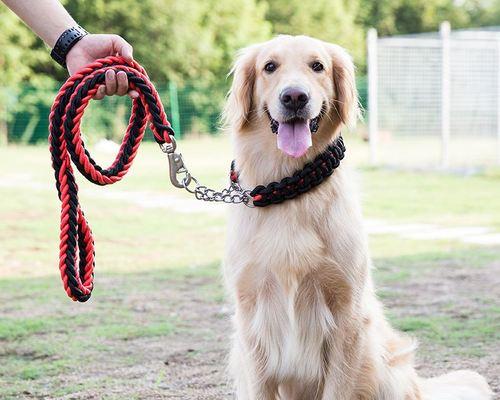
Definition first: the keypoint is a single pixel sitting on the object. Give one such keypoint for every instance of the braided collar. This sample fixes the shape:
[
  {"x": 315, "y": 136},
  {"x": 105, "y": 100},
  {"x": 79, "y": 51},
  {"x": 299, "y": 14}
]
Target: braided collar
[{"x": 303, "y": 180}]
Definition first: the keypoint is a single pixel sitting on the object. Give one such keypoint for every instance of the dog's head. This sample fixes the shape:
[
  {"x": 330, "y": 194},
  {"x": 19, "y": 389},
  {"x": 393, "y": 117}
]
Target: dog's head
[{"x": 301, "y": 87}]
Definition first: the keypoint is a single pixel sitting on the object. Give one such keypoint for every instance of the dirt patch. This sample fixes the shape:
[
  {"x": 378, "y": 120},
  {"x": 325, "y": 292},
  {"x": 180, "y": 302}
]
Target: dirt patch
[
  {"x": 461, "y": 293},
  {"x": 191, "y": 362}
]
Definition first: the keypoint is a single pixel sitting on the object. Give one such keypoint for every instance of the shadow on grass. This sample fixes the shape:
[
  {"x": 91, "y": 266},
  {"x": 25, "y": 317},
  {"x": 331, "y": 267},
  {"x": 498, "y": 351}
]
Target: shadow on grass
[{"x": 44, "y": 335}]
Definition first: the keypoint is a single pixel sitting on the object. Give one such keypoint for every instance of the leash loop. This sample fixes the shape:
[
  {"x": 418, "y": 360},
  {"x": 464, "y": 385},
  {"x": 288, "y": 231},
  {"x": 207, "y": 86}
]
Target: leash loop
[{"x": 76, "y": 250}]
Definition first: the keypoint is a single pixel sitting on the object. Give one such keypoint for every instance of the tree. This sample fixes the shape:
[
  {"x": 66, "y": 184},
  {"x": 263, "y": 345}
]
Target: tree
[
  {"x": 177, "y": 40},
  {"x": 483, "y": 12},
  {"x": 190, "y": 42},
  {"x": 19, "y": 55},
  {"x": 392, "y": 17},
  {"x": 329, "y": 20}
]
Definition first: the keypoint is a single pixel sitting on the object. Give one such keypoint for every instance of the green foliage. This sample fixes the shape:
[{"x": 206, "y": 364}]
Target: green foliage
[
  {"x": 483, "y": 12},
  {"x": 192, "y": 43},
  {"x": 392, "y": 17},
  {"x": 178, "y": 40},
  {"x": 14, "y": 39},
  {"x": 330, "y": 20}
]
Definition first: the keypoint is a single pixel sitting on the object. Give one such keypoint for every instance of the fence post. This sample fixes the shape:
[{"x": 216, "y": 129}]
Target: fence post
[
  {"x": 444, "y": 32},
  {"x": 498, "y": 102},
  {"x": 174, "y": 107},
  {"x": 372, "y": 94},
  {"x": 4, "y": 133},
  {"x": 4, "y": 130}
]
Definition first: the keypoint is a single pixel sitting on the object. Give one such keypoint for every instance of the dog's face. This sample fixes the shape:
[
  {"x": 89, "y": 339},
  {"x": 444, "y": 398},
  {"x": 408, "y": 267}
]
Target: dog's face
[{"x": 301, "y": 85}]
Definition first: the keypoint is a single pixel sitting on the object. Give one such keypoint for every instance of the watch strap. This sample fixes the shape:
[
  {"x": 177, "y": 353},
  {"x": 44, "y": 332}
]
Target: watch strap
[{"x": 65, "y": 43}]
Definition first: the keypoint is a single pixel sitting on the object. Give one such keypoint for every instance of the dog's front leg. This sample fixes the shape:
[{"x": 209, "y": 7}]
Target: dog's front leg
[
  {"x": 343, "y": 364},
  {"x": 249, "y": 383}
]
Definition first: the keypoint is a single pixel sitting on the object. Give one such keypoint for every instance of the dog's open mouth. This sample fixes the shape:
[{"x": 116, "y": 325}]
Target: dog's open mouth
[{"x": 294, "y": 135}]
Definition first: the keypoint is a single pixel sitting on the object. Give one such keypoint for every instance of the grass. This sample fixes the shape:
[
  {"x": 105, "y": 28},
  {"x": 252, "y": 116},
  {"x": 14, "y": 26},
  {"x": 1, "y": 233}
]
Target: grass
[
  {"x": 144, "y": 254},
  {"x": 455, "y": 335},
  {"x": 434, "y": 197}
]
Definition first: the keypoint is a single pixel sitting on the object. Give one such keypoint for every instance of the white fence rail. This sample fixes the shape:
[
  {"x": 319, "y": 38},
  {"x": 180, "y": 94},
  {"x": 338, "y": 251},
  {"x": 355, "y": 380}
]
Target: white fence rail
[{"x": 436, "y": 96}]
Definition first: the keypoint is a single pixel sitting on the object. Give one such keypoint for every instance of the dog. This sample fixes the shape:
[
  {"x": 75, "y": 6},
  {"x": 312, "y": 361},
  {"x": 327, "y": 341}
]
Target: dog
[{"x": 307, "y": 323}]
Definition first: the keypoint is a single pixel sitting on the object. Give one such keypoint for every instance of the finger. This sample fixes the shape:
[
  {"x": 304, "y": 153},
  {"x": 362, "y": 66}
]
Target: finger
[
  {"x": 110, "y": 82},
  {"x": 101, "y": 92},
  {"x": 123, "y": 48},
  {"x": 122, "y": 83},
  {"x": 133, "y": 94}
]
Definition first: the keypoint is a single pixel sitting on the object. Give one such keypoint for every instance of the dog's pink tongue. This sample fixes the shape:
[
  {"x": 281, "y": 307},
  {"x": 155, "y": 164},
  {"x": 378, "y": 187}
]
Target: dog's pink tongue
[{"x": 294, "y": 138}]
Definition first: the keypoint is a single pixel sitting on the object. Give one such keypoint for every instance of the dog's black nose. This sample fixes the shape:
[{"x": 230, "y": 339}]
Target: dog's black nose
[{"x": 294, "y": 98}]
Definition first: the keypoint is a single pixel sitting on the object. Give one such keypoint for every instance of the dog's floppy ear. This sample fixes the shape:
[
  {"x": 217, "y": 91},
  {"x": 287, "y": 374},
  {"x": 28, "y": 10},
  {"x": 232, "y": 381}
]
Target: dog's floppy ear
[
  {"x": 239, "y": 105},
  {"x": 345, "y": 104}
]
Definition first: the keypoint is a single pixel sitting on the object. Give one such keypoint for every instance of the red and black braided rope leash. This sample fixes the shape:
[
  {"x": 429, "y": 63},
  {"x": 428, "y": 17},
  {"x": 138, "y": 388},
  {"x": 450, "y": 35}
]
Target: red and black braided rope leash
[{"x": 76, "y": 250}]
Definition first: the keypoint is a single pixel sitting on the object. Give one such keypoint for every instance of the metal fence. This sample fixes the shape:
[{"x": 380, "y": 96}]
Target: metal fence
[{"x": 434, "y": 99}]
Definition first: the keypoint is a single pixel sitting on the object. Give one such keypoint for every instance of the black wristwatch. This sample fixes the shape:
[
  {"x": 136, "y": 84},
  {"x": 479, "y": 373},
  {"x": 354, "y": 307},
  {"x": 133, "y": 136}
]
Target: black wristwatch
[{"x": 65, "y": 43}]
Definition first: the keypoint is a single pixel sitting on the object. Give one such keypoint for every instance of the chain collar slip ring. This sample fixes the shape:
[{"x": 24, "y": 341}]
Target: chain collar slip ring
[{"x": 76, "y": 249}]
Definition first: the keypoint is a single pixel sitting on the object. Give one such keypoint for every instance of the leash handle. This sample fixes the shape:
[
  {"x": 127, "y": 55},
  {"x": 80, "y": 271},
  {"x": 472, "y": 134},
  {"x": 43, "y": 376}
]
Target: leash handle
[{"x": 76, "y": 249}]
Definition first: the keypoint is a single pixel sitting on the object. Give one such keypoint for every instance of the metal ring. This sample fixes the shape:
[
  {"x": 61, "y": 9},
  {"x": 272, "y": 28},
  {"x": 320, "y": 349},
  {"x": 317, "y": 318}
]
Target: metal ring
[
  {"x": 186, "y": 181},
  {"x": 168, "y": 147}
]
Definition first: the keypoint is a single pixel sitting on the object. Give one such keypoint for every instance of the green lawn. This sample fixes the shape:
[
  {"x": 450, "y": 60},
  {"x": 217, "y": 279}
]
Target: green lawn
[{"x": 152, "y": 262}]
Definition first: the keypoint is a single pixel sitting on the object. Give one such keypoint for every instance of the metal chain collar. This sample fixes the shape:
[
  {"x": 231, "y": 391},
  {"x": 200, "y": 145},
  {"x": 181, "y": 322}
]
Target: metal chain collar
[{"x": 182, "y": 178}]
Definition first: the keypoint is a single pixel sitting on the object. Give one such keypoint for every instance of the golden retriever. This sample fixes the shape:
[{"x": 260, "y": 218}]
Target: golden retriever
[{"x": 307, "y": 322}]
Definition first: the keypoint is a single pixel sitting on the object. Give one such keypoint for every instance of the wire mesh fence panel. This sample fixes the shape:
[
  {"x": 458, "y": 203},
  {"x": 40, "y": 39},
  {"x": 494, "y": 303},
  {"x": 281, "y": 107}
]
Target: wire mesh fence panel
[
  {"x": 409, "y": 92},
  {"x": 438, "y": 99},
  {"x": 409, "y": 101},
  {"x": 190, "y": 109},
  {"x": 473, "y": 91},
  {"x": 474, "y": 101}
]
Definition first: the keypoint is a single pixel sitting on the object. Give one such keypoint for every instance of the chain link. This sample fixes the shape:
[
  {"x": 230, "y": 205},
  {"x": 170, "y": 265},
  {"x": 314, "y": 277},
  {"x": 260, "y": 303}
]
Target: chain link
[
  {"x": 182, "y": 178},
  {"x": 234, "y": 194}
]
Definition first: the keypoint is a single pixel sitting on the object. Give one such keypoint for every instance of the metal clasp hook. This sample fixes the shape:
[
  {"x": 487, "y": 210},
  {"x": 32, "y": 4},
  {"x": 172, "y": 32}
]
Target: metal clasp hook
[{"x": 176, "y": 165}]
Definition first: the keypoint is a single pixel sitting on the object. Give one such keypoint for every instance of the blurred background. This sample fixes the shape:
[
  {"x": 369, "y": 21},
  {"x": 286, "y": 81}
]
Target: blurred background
[{"x": 427, "y": 154}]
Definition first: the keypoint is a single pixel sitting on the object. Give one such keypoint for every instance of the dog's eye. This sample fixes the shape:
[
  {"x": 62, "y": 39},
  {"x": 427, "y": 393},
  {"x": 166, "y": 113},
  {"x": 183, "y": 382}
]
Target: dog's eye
[
  {"x": 270, "y": 67},
  {"x": 317, "y": 66}
]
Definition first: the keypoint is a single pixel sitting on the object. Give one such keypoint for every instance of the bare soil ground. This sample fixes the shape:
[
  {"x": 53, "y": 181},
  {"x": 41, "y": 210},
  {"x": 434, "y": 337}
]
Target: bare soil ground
[{"x": 190, "y": 362}]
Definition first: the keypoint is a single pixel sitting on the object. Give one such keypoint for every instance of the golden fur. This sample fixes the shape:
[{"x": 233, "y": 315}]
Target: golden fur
[{"x": 307, "y": 322}]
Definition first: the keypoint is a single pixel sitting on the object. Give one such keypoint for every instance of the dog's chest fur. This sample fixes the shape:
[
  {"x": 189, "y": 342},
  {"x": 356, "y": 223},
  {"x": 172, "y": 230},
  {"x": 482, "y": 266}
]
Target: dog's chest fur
[{"x": 290, "y": 267}]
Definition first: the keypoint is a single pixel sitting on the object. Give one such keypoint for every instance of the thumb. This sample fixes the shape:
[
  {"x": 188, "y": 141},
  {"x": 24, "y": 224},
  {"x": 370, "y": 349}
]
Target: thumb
[{"x": 123, "y": 48}]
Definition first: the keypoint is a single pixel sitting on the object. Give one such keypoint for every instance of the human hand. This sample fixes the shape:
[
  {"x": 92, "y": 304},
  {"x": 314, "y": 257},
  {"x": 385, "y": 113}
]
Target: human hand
[{"x": 93, "y": 47}]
